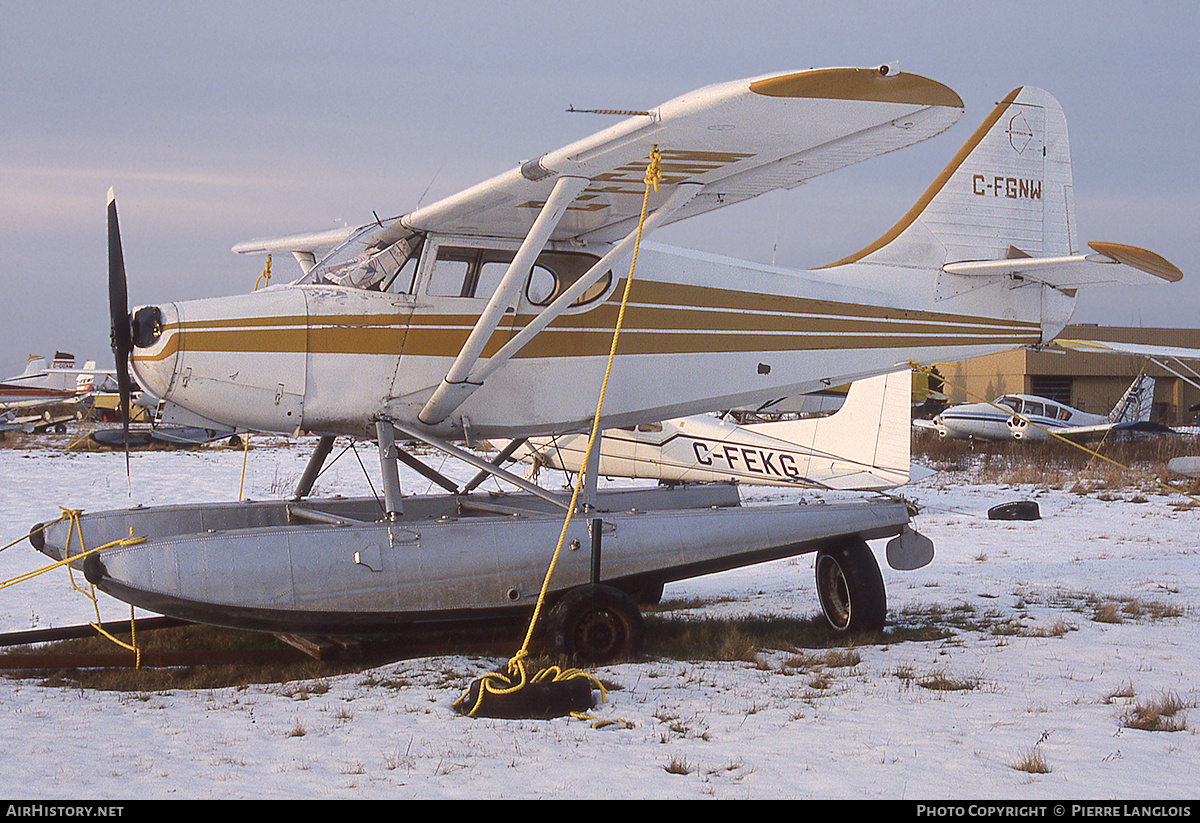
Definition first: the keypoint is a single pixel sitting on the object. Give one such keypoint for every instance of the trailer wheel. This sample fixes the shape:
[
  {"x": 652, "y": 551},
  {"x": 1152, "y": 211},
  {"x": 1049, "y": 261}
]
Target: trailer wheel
[
  {"x": 595, "y": 625},
  {"x": 850, "y": 587}
]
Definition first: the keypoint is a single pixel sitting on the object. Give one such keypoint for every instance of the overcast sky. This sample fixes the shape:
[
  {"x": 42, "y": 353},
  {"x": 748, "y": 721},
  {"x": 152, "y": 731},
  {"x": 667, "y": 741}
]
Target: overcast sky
[{"x": 218, "y": 122}]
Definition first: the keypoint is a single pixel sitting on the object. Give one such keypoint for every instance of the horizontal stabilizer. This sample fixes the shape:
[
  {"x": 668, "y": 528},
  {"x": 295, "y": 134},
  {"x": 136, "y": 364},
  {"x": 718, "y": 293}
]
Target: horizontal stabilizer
[{"x": 1112, "y": 264}]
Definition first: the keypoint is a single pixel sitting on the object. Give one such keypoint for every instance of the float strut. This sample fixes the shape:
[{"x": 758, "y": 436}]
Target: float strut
[
  {"x": 597, "y": 527},
  {"x": 391, "y": 472},
  {"x": 324, "y": 447},
  {"x": 590, "y": 484}
]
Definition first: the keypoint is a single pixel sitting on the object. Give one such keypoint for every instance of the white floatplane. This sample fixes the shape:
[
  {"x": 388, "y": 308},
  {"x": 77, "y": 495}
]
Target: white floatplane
[{"x": 489, "y": 314}]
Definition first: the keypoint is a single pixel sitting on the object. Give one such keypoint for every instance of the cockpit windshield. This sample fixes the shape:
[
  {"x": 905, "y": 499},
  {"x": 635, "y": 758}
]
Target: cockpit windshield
[{"x": 360, "y": 264}]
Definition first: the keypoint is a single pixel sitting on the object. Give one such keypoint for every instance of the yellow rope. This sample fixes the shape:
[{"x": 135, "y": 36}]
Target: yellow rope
[
  {"x": 74, "y": 527},
  {"x": 265, "y": 277},
  {"x": 1069, "y": 442},
  {"x": 496, "y": 683},
  {"x": 245, "y": 454}
]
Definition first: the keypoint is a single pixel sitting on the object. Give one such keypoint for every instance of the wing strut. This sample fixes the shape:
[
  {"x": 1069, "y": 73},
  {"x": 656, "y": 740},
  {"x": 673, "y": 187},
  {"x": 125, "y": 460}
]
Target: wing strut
[
  {"x": 1182, "y": 377},
  {"x": 454, "y": 389},
  {"x": 449, "y": 396}
]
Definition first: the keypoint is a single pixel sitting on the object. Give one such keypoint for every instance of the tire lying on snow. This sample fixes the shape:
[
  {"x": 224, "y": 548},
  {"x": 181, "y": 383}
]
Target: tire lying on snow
[
  {"x": 850, "y": 587},
  {"x": 1020, "y": 510}
]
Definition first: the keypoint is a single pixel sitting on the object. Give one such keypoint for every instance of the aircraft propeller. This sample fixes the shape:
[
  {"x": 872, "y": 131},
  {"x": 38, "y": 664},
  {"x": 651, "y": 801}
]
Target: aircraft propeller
[{"x": 118, "y": 309}]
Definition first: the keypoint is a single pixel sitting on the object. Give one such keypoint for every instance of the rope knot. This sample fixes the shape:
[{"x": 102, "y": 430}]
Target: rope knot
[{"x": 654, "y": 169}]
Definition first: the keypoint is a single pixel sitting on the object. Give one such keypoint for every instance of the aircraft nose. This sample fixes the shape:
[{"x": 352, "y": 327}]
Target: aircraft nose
[{"x": 1016, "y": 426}]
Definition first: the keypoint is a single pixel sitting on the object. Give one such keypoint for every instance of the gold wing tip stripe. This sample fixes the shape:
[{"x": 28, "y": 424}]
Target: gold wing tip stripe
[
  {"x": 1140, "y": 259},
  {"x": 859, "y": 84}
]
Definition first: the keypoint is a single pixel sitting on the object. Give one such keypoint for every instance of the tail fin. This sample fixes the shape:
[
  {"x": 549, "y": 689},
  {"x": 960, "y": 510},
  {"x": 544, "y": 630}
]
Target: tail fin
[
  {"x": 1137, "y": 403},
  {"x": 1007, "y": 193},
  {"x": 33, "y": 364},
  {"x": 866, "y": 443}
]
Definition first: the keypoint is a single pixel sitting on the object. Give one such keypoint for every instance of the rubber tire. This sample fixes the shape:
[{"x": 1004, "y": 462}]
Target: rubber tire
[
  {"x": 595, "y": 625},
  {"x": 850, "y": 587},
  {"x": 1020, "y": 510}
]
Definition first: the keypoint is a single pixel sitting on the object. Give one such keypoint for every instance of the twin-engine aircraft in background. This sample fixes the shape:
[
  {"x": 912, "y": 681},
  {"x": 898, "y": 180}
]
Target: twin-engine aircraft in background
[
  {"x": 490, "y": 314},
  {"x": 1030, "y": 417}
]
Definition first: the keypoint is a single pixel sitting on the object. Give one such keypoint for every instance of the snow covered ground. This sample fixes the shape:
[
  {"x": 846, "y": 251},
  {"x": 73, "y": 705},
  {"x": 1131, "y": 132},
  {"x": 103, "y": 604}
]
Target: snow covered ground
[{"x": 1028, "y": 675}]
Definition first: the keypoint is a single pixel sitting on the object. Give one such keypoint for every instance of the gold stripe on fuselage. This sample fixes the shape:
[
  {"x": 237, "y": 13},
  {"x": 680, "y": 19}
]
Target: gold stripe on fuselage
[{"x": 661, "y": 319}]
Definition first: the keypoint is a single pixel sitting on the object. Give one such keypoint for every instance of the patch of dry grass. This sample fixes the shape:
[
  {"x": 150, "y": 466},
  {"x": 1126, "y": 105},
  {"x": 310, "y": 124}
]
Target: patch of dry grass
[
  {"x": 261, "y": 658},
  {"x": 1032, "y": 762},
  {"x": 1165, "y": 713},
  {"x": 1123, "y": 609},
  {"x": 945, "y": 682},
  {"x": 1059, "y": 465}
]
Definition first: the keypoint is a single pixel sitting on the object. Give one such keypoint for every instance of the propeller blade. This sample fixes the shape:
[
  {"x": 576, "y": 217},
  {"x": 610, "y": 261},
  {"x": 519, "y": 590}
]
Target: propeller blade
[{"x": 118, "y": 309}]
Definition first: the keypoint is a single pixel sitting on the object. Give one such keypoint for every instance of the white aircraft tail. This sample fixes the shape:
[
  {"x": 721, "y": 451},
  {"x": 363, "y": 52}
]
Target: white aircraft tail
[
  {"x": 870, "y": 435},
  {"x": 1004, "y": 207},
  {"x": 34, "y": 364},
  {"x": 1137, "y": 404},
  {"x": 1006, "y": 193},
  {"x": 864, "y": 445}
]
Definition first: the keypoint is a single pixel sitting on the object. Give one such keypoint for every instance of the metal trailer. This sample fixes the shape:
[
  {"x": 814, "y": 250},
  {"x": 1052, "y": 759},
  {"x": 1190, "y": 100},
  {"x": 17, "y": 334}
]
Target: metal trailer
[{"x": 356, "y": 566}]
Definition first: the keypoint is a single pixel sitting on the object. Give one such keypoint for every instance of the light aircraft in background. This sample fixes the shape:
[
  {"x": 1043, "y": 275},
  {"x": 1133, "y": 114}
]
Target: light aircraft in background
[
  {"x": 48, "y": 395},
  {"x": 55, "y": 381},
  {"x": 864, "y": 445},
  {"x": 1178, "y": 360},
  {"x": 490, "y": 314},
  {"x": 1030, "y": 417}
]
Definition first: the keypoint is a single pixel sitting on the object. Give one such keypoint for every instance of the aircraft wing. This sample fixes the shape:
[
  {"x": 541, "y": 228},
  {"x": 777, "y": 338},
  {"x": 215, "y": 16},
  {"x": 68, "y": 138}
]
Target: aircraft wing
[
  {"x": 1140, "y": 349},
  {"x": 736, "y": 140},
  {"x": 1155, "y": 354},
  {"x": 1086, "y": 432}
]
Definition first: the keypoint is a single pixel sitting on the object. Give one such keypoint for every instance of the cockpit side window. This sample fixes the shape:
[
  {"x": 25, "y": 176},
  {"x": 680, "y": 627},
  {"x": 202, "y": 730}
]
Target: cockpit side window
[
  {"x": 460, "y": 271},
  {"x": 555, "y": 272},
  {"x": 450, "y": 274}
]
